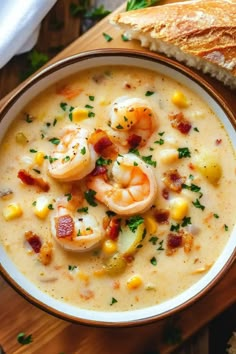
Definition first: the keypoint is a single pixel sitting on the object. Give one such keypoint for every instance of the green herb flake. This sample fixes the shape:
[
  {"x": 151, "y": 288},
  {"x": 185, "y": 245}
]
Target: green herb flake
[
  {"x": 124, "y": 38},
  {"x": 135, "y": 163},
  {"x": 134, "y": 151},
  {"x": 149, "y": 161},
  {"x": 153, "y": 261},
  {"x": 52, "y": 159},
  {"x": 226, "y": 227},
  {"x": 66, "y": 159},
  {"x": 198, "y": 205},
  {"x": 161, "y": 133},
  {"x": 113, "y": 301},
  {"x": 71, "y": 267},
  {"x": 192, "y": 187},
  {"x": 89, "y": 196},
  {"x": 50, "y": 207},
  {"x": 88, "y": 106},
  {"x": 107, "y": 37},
  {"x": 91, "y": 114},
  {"x": 119, "y": 126},
  {"x": 83, "y": 210},
  {"x": 34, "y": 203},
  {"x": 134, "y": 221},
  {"x": 23, "y": 339},
  {"x": 196, "y": 129},
  {"x": 153, "y": 240},
  {"x": 55, "y": 141},
  {"x": 216, "y": 216},
  {"x": 33, "y": 151},
  {"x": 160, "y": 248},
  {"x": 139, "y": 4},
  {"x": 63, "y": 106},
  {"x": 174, "y": 227},
  {"x": 149, "y": 93},
  {"x": 83, "y": 151},
  {"x": 110, "y": 213},
  {"x": 36, "y": 170},
  {"x": 69, "y": 196},
  {"x": 91, "y": 98},
  {"x": 103, "y": 162},
  {"x": 54, "y": 122},
  {"x": 186, "y": 221},
  {"x": 28, "y": 118},
  {"x": 184, "y": 152},
  {"x": 160, "y": 142}
]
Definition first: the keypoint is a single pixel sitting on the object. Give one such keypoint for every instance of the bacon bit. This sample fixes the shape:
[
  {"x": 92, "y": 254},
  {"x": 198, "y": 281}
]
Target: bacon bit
[
  {"x": 28, "y": 179},
  {"x": 134, "y": 140},
  {"x": 64, "y": 226},
  {"x": 113, "y": 228},
  {"x": 218, "y": 141},
  {"x": 165, "y": 193},
  {"x": 34, "y": 241},
  {"x": 129, "y": 258},
  {"x": 68, "y": 92},
  {"x": 45, "y": 254},
  {"x": 87, "y": 294},
  {"x": 179, "y": 122},
  {"x": 128, "y": 86},
  {"x": 102, "y": 144},
  {"x": 174, "y": 240},
  {"x": 116, "y": 284},
  {"x": 99, "y": 170},
  {"x": 173, "y": 180},
  {"x": 162, "y": 216}
]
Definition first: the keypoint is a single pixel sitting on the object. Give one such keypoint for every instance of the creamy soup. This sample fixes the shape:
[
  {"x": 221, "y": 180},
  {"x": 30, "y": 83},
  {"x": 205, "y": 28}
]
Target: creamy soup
[{"x": 117, "y": 189}]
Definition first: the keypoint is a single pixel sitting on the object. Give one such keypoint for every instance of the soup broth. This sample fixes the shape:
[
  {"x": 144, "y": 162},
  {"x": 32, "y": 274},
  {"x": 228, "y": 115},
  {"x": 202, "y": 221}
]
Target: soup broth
[{"x": 117, "y": 189}]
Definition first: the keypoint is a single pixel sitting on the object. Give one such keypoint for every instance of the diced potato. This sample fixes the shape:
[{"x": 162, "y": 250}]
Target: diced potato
[
  {"x": 21, "y": 138},
  {"x": 109, "y": 247},
  {"x": 179, "y": 99},
  {"x": 45, "y": 255},
  {"x": 128, "y": 240},
  {"x": 208, "y": 165},
  {"x": 79, "y": 114},
  {"x": 116, "y": 264},
  {"x": 41, "y": 207},
  {"x": 39, "y": 158},
  {"x": 168, "y": 156},
  {"x": 178, "y": 208},
  {"x": 134, "y": 282},
  {"x": 150, "y": 224},
  {"x": 12, "y": 211}
]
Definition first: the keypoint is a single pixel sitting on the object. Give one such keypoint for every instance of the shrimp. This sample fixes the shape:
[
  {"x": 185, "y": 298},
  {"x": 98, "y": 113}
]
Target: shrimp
[
  {"x": 73, "y": 158},
  {"x": 75, "y": 231},
  {"x": 132, "y": 190},
  {"x": 132, "y": 121}
]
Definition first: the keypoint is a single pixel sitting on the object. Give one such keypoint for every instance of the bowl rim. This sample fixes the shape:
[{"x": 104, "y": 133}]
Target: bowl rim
[{"x": 154, "y": 57}]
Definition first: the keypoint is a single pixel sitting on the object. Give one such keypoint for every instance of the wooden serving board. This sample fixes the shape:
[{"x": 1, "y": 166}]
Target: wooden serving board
[{"x": 52, "y": 335}]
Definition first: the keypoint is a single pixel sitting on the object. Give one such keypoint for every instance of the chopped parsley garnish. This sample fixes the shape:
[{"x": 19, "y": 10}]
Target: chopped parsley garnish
[
  {"x": 160, "y": 141},
  {"x": 161, "y": 133},
  {"x": 149, "y": 161},
  {"x": 55, "y": 141},
  {"x": 191, "y": 177},
  {"x": 50, "y": 207},
  {"x": 134, "y": 151},
  {"x": 66, "y": 159},
  {"x": 124, "y": 38},
  {"x": 91, "y": 114},
  {"x": 63, "y": 106},
  {"x": 184, "y": 152},
  {"x": 135, "y": 163},
  {"x": 160, "y": 248},
  {"x": 33, "y": 151},
  {"x": 192, "y": 187},
  {"x": 28, "y": 118},
  {"x": 88, "y": 106},
  {"x": 83, "y": 210},
  {"x": 69, "y": 196},
  {"x": 83, "y": 150},
  {"x": 134, "y": 222},
  {"x": 149, "y": 93},
  {"x": 113, "y": 301},
  {"x": 139, "y": 4},
  {"x": 198, "y": 205},
  {"x": 153, "y": 240},
  {"x": 52, "y": 159},
  {"x": 89, "y": 196},
  {"x": 119, "y": 126},
  {"x": 34, "y": 203},
  {"x": 91, "y": 98},
  {"x": 226, "y": 227},
  {"x": 103, "y": 162},
  {"x": 54, "y": 122},
  {"x": 110, "y": 213},
  {"x": 153, "y": 261},
  {"x": 23, "y": 339},
  {"x": 174, "y": 227},
  {"x": 216, "y": 216},
  {"x": 107, "y": 37},
  {"x": 36, "y": 170},
  {"x": 196, "y": 129},
  {"x": 186, "y": 221},
  {"x": 72, "y": 267}
]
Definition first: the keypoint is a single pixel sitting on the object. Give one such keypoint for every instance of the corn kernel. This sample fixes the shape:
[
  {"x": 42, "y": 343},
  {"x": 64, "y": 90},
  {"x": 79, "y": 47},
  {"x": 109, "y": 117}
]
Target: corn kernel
[
  {"x": 12, "y": 211},
  {"x": 179, "y": 99},
  {"x": 109, "y": 247},
  {"x": 79, "y": 114},
  {"x": 39, "y": 158},
  {"x": 178, "y": 208},
  {"x": 41, "y": 207},
  {"x": 134, "y": 282},
  {"x": 150, "y": 224},
  {"x": 168, "y": 156}
]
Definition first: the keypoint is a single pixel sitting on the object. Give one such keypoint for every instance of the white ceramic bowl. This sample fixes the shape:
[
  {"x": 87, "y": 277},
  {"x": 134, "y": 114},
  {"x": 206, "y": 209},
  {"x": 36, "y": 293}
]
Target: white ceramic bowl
[{"x": 167, "y": 67}]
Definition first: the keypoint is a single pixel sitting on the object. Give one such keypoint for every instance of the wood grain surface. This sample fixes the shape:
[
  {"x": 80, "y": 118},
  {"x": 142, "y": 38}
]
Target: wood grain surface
[{"x": 52, "y": 335}]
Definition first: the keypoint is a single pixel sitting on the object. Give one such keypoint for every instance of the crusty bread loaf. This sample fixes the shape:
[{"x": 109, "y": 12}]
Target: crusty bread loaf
[{"x": 201, "y": 33}]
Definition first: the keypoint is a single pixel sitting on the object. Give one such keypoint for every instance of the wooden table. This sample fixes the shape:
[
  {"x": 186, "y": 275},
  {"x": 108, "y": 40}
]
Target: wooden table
[{"x": 52, "y": 335}]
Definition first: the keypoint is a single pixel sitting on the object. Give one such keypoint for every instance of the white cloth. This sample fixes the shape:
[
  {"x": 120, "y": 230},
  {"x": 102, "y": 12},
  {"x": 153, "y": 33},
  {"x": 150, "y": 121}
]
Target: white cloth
[{"x": 19, "y": 25}]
